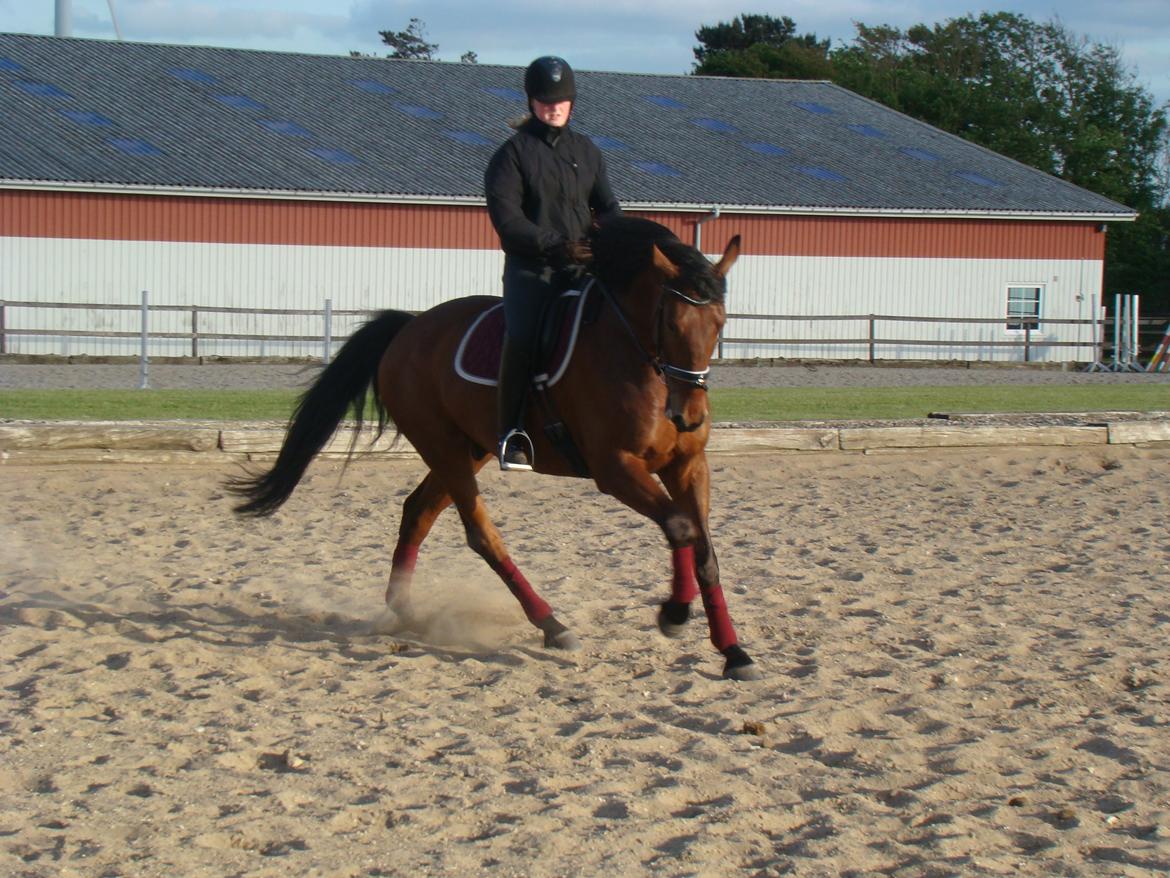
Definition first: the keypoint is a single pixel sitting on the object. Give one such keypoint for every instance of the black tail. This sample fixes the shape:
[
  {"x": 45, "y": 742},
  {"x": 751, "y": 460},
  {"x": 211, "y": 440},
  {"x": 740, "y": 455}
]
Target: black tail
[{"x": 341, "y": 387}]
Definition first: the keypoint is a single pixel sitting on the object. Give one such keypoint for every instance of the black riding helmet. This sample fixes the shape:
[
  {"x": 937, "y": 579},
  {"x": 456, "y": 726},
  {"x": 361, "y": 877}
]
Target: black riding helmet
[{"x": 549, "y": 79}]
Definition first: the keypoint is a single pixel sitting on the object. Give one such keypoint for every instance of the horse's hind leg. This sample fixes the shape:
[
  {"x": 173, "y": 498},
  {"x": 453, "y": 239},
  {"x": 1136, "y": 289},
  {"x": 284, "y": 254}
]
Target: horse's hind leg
[
  {"x": 419, "y": 512},
  {"x": 485, "y": 540}
]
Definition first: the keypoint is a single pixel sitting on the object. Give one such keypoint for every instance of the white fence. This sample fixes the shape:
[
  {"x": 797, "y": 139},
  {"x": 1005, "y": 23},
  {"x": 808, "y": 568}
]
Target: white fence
[{"x": 191, "y": 331}]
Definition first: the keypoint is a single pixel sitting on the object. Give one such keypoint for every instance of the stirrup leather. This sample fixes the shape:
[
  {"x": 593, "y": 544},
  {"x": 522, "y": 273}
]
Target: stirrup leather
[{"x": 515, "y": 451}]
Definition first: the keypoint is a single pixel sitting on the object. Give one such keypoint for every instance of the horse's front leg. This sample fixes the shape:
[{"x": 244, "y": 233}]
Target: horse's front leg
[
  {"x": 682, "y": 515},
  {"x": 689, "y": 483}
]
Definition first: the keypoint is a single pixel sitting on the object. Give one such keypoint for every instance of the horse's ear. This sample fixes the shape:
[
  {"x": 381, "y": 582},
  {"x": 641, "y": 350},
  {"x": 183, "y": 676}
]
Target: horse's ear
[
  {"x": 728, "y": 258},
  {"x": 668, "y": 268}
]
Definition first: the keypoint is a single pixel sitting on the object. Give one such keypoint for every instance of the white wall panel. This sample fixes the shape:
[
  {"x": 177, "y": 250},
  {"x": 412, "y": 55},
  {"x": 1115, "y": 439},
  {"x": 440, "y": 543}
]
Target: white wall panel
[
  {"x": 225, "y": 275},
  {"x": 371, "y": 279},
  {"x": 930, "y": 288}
]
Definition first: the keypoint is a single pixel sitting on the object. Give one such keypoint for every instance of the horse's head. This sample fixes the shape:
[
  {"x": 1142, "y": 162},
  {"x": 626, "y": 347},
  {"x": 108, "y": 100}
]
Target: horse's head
[
  {"x": 674, "y": 298},
  {"x": 690, "y": 315}
]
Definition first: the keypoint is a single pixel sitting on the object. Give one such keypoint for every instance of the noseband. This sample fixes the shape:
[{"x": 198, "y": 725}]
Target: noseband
[{"x": 665, "y": 370}]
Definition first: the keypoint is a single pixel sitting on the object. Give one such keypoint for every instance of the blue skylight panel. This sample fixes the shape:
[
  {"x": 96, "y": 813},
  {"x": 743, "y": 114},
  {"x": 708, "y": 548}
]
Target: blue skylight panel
[
  {"x": 41, "y": 89},
  {"x": 716, "y": 125},
  {"x": 508, "y": 94},
  {"x": 924, "y": 155},
  {"x": 133, "y": 146},
  {"x": 978, "y": 179},
  {"x": 85, "y": 117},
  {"x": 658, "y": 169},
  {"x": 191, "y": 74},
  {"x": 470, "y": 138},
  {"x": 10, "y": 66},
  {"x": 814, "y": 107},
  {"x": 240, "y": 102},
  {"x": 766, "y": 148},
  {"x": 373, "y": 86},
  {"x": 336, "y": 156},
  {"x": 610, "y": 143},
  {"x": 823, "y": 174},
  {"x": 867, "y": 130},
  {"x": 283, "y": 126},
  {"x": 419, "y": 111},
  {"x": 663, "y": 101}
]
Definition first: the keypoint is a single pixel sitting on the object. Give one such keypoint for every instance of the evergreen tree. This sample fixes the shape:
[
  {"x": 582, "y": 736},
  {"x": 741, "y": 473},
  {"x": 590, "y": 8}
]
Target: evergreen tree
[{"x": 410, "y": 44}]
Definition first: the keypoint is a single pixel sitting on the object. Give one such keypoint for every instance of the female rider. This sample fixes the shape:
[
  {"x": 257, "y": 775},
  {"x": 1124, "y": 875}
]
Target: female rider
[{"x": 545, "y": 186}]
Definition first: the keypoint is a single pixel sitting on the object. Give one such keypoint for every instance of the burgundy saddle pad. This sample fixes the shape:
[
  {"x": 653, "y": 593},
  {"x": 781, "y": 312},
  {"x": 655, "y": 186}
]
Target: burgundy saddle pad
[{"x": 478, "y": 357}]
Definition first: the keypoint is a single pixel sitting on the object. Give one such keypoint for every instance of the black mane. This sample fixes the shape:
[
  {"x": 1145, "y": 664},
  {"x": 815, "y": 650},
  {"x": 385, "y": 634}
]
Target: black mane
[{"x": 621, "y": 251}]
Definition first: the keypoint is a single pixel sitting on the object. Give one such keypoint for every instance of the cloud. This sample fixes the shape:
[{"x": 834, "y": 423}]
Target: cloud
[{"x": 218, "y": 22}]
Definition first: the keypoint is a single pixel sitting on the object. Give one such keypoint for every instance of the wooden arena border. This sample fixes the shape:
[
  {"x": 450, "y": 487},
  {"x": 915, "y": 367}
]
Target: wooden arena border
[{"x": 170, "y": 442}]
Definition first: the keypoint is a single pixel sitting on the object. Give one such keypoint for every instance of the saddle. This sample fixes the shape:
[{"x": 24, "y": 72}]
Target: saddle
[{"x": 477, "y": 358}]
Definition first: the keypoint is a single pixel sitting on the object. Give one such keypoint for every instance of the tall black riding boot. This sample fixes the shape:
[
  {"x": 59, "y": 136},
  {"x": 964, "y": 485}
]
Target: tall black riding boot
[{"x": 515, "y": 451}]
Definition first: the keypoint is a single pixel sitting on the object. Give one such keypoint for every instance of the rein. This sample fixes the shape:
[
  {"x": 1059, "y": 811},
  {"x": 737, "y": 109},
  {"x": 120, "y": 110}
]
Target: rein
[{"x": 665, "y": 371}]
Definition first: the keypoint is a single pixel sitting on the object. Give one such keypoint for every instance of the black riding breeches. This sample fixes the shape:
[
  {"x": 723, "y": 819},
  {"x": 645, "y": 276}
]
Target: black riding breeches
[{"x": 527, "y": 292}]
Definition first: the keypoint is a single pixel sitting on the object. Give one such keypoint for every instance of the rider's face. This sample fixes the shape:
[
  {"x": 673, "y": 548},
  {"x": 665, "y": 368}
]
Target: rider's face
[{"x": 553, "y": 115}]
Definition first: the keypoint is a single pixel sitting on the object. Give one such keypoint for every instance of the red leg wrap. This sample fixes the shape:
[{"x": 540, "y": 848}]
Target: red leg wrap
[
  {"x": 683, "y": 588},
  {"x": 718, "y": 619},
  {"x": 405, "y": 557},
  {"x": 534, "y": 606}
]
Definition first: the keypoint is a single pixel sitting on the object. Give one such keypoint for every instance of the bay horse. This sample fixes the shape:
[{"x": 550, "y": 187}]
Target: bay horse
[{"x": 633, "y": 398}]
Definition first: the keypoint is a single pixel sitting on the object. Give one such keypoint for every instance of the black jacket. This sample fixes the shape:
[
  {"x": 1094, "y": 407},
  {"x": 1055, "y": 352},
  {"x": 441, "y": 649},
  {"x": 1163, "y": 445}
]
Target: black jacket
[{"x": 543, "y": 188}]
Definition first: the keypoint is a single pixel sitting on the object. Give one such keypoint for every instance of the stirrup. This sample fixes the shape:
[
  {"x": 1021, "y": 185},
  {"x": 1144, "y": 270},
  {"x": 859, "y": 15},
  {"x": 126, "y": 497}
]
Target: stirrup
[{"x": 515, "y": 451}]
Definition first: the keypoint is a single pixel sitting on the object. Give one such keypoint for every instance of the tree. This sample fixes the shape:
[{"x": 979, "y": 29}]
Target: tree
[
  {"x": 760, "y": 46},
  {"x": 469, "y": 57},
  {"x": 1031, "y": 91},
  {"x": 410, "y": 44}
]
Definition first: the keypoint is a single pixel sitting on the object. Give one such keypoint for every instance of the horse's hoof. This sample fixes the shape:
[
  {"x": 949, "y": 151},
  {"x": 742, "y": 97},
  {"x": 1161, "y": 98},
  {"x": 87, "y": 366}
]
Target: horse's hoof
[
  {"x": 566, "y": 641},
  {"x": 739, "y": 666},
  {"x": 557, "y": 636},
  {"x": 388, "y": 621},
  {"x": 672, "y": 618}
]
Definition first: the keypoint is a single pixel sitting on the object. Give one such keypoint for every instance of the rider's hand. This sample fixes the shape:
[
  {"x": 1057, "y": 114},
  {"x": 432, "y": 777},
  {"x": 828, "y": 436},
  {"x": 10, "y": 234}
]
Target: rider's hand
[{"x": 572, "y": 253}]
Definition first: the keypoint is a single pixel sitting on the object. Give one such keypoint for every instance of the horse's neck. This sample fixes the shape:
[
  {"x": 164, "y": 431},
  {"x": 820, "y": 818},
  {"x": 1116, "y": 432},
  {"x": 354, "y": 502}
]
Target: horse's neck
[{"x": 624, "y": 332}]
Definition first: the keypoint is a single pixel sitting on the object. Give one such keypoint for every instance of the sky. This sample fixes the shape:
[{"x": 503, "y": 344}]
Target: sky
[{"x": 644, "y": 36}]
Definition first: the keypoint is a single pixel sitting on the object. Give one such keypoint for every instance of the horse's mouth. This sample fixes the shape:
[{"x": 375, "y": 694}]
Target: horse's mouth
[{"x": 681, "y": 424}]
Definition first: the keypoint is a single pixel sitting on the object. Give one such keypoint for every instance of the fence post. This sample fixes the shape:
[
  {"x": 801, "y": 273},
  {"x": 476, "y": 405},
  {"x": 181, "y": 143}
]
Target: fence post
[
  {"x": 1027, "y": 340},
  {"x": 1116, "y": 331},
  {"x": 1135, "y": 347},
  {"x": 328, "y": 332},
  {"x": 872, "y": 338},
  {"x": 195, "y": 332},
  {"x": 144, "y": 361},
  {"x": 3, "y": 334}
]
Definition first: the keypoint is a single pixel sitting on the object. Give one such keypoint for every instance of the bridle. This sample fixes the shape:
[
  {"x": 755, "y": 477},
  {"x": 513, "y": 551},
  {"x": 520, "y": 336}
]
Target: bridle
[{"x": 666, "y": 371}]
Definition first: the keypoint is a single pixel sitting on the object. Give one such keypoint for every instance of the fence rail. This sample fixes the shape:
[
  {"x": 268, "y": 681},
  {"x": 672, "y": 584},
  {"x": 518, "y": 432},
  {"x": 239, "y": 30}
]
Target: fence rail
[
  {"x": 869, "y": 338},
  {"x": 327, "y": 315}
]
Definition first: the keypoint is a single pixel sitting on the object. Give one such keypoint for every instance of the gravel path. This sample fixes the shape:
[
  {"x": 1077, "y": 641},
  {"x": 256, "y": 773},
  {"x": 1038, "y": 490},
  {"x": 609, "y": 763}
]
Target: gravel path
[{"x": 223, "y": 376}]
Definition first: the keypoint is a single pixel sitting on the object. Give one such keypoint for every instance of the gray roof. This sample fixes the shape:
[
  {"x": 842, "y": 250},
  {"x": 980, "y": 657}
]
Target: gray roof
[{"x": 132, "y": 114}]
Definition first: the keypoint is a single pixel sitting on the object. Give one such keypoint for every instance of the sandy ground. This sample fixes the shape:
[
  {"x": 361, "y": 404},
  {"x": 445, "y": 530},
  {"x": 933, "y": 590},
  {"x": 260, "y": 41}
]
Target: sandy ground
[{"x": 966, "y": 662}]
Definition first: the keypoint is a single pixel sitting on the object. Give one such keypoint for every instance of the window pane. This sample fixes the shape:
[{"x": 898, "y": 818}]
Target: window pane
[{"x": 1023, "y": 308}]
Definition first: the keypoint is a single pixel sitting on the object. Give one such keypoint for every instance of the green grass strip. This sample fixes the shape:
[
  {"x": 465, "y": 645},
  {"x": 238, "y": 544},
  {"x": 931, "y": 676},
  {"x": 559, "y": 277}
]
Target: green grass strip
[
  {"x": 728, "y": 404},
  {"x": 147, "y": 405},
  {"x": 865, "y": 403}
]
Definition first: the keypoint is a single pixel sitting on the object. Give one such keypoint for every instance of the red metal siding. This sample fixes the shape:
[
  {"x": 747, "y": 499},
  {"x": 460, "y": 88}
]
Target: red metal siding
[
  {"x": 896, "y": 237},
  {"x": 26, "y": 213}
]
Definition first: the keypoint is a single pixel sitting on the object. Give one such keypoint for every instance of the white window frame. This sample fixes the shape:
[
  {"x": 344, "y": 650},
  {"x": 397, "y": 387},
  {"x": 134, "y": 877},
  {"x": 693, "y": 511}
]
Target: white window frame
[{"x": 1015, "y": 318}]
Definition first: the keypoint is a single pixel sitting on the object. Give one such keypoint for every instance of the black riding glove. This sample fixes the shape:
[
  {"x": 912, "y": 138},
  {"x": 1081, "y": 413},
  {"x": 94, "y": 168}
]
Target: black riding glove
[{"x": 571, "y": 253}]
